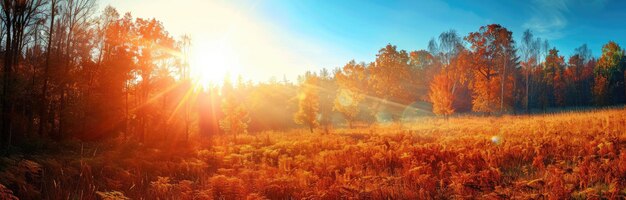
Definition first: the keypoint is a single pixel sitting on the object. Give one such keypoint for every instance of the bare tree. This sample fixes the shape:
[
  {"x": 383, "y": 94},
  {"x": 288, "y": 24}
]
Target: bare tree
[
  {"x": 17, "y": 16},
  {"x": 530, "y": 54},
  {"x": 46, "y": 74},
  {"x": 76, "y": 15}
]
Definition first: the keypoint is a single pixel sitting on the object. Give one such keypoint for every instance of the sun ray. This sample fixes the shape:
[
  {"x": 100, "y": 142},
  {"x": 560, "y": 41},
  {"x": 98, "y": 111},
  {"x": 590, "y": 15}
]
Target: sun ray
[{"x": 186, "y": 99}]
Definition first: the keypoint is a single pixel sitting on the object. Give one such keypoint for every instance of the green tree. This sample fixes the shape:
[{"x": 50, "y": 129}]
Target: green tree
[
  {"x": 553, "y": 75},
  {"x": 611, "y": 67}
]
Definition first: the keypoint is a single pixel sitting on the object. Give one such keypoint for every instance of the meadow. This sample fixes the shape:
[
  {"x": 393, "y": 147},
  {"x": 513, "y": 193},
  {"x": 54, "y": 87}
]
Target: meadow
[{"x": 579, "y": 155}]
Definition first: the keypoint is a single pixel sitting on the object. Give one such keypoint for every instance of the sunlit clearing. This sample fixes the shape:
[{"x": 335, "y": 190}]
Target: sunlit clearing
[{"x": 211, "y": 63}]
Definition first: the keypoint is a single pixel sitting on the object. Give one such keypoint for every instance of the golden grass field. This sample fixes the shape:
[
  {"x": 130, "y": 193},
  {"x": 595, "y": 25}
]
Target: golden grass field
[{"x": 578, "y": 155}]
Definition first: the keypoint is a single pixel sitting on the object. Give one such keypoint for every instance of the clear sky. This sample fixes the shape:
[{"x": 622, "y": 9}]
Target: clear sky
[{"x": 264, "y": 38}]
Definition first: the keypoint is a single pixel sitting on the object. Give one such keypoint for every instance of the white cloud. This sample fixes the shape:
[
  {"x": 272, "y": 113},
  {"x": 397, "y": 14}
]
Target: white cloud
[{"x": 549, "y": 17}]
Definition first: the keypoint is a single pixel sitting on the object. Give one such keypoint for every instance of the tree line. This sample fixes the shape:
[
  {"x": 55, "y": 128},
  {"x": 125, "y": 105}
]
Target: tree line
[
  {"x": 484, "y": 72},
  {"x": 72, "y": 72}
]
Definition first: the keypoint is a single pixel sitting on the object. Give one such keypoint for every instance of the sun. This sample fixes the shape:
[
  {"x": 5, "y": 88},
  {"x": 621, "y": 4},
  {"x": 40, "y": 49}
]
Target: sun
[{"x": 211, "y": 63}]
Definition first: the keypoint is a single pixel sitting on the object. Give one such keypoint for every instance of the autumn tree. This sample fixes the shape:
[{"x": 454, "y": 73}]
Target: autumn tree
[
  {"x": 423, "y": 66},
  {"x": 327, "y": 94},
  {"x": 236, "y": 116},
  {"x": 452, "y": 59},
  {"x": 553, "y": 74},
  {"x": 609, "y": 71},
  {"x": 308, "y": 102},
  {"x": 155, "y": 45},
  {"x": 579, "y": 77},
  {"x": 494, "y": 63},
  {"x": 352, "y": 83},
  {"x": 116, "y": 60},
  {"x": 441, "y": 94},
  {"x": 390, "y": 75}
]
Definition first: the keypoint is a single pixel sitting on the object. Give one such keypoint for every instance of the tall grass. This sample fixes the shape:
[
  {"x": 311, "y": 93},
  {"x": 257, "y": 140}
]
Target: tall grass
[{"x": 564, "y": 155}]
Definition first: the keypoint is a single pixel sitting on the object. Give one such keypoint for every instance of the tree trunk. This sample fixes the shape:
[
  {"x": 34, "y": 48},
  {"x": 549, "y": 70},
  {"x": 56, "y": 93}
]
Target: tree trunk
[
  {"x": 502, "y": 80},
  {"x": 528, "y": 89},
  {"x": 6, "y": 87}
]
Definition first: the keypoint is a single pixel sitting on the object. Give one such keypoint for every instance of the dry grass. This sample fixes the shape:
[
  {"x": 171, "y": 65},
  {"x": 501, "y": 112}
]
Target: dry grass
[{"x": 569, "y": 155}]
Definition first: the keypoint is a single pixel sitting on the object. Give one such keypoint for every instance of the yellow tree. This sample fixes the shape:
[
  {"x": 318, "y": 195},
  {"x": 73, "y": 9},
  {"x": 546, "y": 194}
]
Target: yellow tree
[
  {"x": 308, "y": 102},
  {"x": 390, "y": 75},
  {"x": 452, "y": 57},
  {"x": 351, "y": 81},
  {"x": 424, "y": 67},
  {"x": 236, "y": 117}
]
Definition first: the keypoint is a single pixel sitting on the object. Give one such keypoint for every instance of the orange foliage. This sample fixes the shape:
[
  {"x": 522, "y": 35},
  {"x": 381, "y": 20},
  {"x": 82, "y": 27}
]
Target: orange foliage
[
  {"x": 571, "y": 155},
  {"x": 441, "y": 94}
]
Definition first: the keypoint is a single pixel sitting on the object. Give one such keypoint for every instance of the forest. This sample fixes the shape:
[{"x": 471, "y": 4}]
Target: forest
[{"x": 98, "y": 104}]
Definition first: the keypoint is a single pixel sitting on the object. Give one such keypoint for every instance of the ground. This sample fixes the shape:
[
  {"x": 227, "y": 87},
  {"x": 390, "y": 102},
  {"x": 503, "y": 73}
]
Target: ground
[{"x": 568, "y": 155}]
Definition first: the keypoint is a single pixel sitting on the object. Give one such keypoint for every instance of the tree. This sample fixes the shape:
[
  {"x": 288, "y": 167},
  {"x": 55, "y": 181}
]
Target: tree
[
  {"x": 579, "y": 77},
  {"x": 452, "y": 57},
  {"x": 74, "y": 21},
  {"x": 460, "y": 72},
  {"x": 611, "y": 67},
  {"x": 236, "y": 117},
  {"x": 530, "y": 49},
  {"x": 352, "y": 83},
  {"x": 327, "y": 94},
  {"x": 115, "y": 84},
  {"x": 424, "y": 66},
  {"x": 449, "y": 46},
  {"x": 390, "y": 75},
  {"x": 308, "y": 102},
  {"x": 43, "y": 105},
  {"x": 493, "y": 65},
  {"x": 554, "y": 68},
  {"x": 17, "y": 16},
  {"x": 441, "y": 94},
  {"x": 155, "y": 45}
]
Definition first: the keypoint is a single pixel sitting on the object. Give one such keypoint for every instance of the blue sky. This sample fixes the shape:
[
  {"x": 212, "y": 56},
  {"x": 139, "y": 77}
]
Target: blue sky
[
  {"x": 305, "y": 35},
  {"x": 365, "y": 26}
]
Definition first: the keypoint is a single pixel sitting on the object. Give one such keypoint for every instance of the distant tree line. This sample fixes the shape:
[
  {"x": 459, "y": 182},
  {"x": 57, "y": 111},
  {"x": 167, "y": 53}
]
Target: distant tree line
[
  {"x": 484, "y": 72},
  {"x": 71, "y": 72}
]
